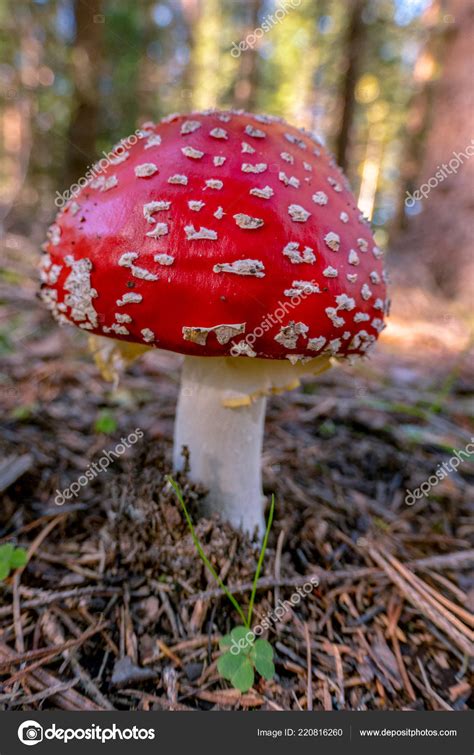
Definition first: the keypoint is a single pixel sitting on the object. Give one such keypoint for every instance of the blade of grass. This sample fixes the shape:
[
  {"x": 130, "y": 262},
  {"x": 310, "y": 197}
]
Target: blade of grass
[
  {"x": 260, "y": 562},
  {"x": 202, "y": 555}
]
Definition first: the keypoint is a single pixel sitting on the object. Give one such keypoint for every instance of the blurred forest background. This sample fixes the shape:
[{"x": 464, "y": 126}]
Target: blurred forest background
[{"x": 386, "y": 83}]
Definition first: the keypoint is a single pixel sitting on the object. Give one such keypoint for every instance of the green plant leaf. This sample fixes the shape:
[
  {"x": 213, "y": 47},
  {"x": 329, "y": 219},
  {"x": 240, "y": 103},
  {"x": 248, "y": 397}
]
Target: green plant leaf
[
  {"x": 244, "y": 676},
  {"x": 262, "y": 649},
  {"x": 228, "y": 664},
  {"x": 265, "y": 667},
  {"x": 6, "y": 552},
  {"x": 4, "y": 570},
  {"x": 18, "y": 558},
  {"x": 225, "y": 642},
  {"x": 105, "y": 422}
]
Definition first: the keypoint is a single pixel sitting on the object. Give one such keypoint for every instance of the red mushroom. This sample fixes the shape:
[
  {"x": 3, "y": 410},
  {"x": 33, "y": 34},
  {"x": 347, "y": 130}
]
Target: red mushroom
[{"x": 232, "y": 239}]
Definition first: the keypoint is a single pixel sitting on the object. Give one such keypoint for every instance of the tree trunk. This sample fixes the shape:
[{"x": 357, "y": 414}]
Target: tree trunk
[
  {"x": 86, "y": 67},
  {"x": 356, "y": 34}
]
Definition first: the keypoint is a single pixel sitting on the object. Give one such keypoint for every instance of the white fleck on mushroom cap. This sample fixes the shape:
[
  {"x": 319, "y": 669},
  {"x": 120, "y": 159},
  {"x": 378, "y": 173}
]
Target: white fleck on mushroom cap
[{"x": 219, "y": 234}]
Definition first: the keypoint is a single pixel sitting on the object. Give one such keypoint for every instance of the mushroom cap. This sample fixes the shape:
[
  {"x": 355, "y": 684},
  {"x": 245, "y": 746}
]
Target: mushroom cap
[{"x": 218, "y": 234}]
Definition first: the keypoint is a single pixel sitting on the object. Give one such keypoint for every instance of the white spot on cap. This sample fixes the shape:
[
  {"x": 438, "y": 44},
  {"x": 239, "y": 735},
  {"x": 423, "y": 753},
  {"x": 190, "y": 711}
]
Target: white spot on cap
[
  {"x": 127, "y": 260},
  {"x": 353, "y": 257},
  {"x": 219, "y": 160},
  {"x": 366, "y": 292},
  {"x": 344, "y": 217},
  {"x": 302, "y": 287},
  {"x": 148, "y": 335},
  {"x": 295, "y": 140},
  {"x": 287, "y": 157},
  {"x": 219, "y": 213},
  {"x": 320, "y": 198},
  {"x": 378, "y": 324},
  {"x": 289, "y": 334},
  {"x": 361, "y": 317},
  {"x": 308, "y": 167},
  {"x": 117, "y": 159},
  {"x": 214, "y": 183},
  {"x": 374, "y": 277},
  {"x": 153, "y": 141},
  {"x": 363, "y": 245},
  {"x": 255, "y": 132},
  {"x": 292, "y": 251},
  {"x": 203, "y": 233},
  {"x": 160, "y": 229},
  {"x": 289, "y": 181},
  {"x": 145, "y": 170},
  {"x": 223, "y": 333},
  {"x": 178, "y": 179},
  {"x": 122, "y": 317},
  {"x": 195, "y": 154},
  {"x": 104, "y": 184},
  {"x": 195, "y": 204},
  {"x": 247, "y": 222},
  {"x": 330, "y": 272},
  {"x": 264, "y": 193},
  {"x": 335, "y": 345},
  {"x": 80, "y": 292},
  {"x": 335, "y": 185},
  {"x": 351, "y": 277},
  {"x": 298, "y": 214},
  {"x": 337, "y": 321},
  {"x": 241, "y": 267},
  {"x": 152, "y": 207},
  {"x": 345, "y": 302},
  {"x": 332, "y": 240},
  {"x": 258, "y": 168},
  {"x": 164, "y": 259},
  {"x": 247, "y": 148},
  {"x": 188, "y": 127},
  {"x": 316, "y": 344},
  {"x": 242, "y": 348},
  {"x": 378, "y": 253},
  {"x": 129, "y": 298},
  {"x": 218, "y": 133}
]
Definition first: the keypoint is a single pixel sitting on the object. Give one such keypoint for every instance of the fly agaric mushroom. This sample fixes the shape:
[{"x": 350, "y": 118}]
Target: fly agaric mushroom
[{"x": 234, "y": 240}]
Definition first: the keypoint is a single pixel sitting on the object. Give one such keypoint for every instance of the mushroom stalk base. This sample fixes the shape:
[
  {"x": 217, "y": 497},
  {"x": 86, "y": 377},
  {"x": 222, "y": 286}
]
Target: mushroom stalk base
[{"x": 225, "y": 444}]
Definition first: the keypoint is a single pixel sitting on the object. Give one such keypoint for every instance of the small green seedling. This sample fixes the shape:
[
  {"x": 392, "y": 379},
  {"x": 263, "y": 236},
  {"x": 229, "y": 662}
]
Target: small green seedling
[
  {"x": 105, "y": 423},
  {"x": 11, "y": 558},
  {"x": 242, "y": 653}
]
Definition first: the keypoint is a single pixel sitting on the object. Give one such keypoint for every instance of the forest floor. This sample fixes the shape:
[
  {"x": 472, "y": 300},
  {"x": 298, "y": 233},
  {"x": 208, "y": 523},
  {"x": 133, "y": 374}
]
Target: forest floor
[{"x": 115, "y": 609}]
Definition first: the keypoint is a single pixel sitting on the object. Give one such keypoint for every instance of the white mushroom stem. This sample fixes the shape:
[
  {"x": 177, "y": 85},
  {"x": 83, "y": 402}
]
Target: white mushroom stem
[
  {"x": 220, "y": 418},
  {"x": 225, "y": 443}
]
